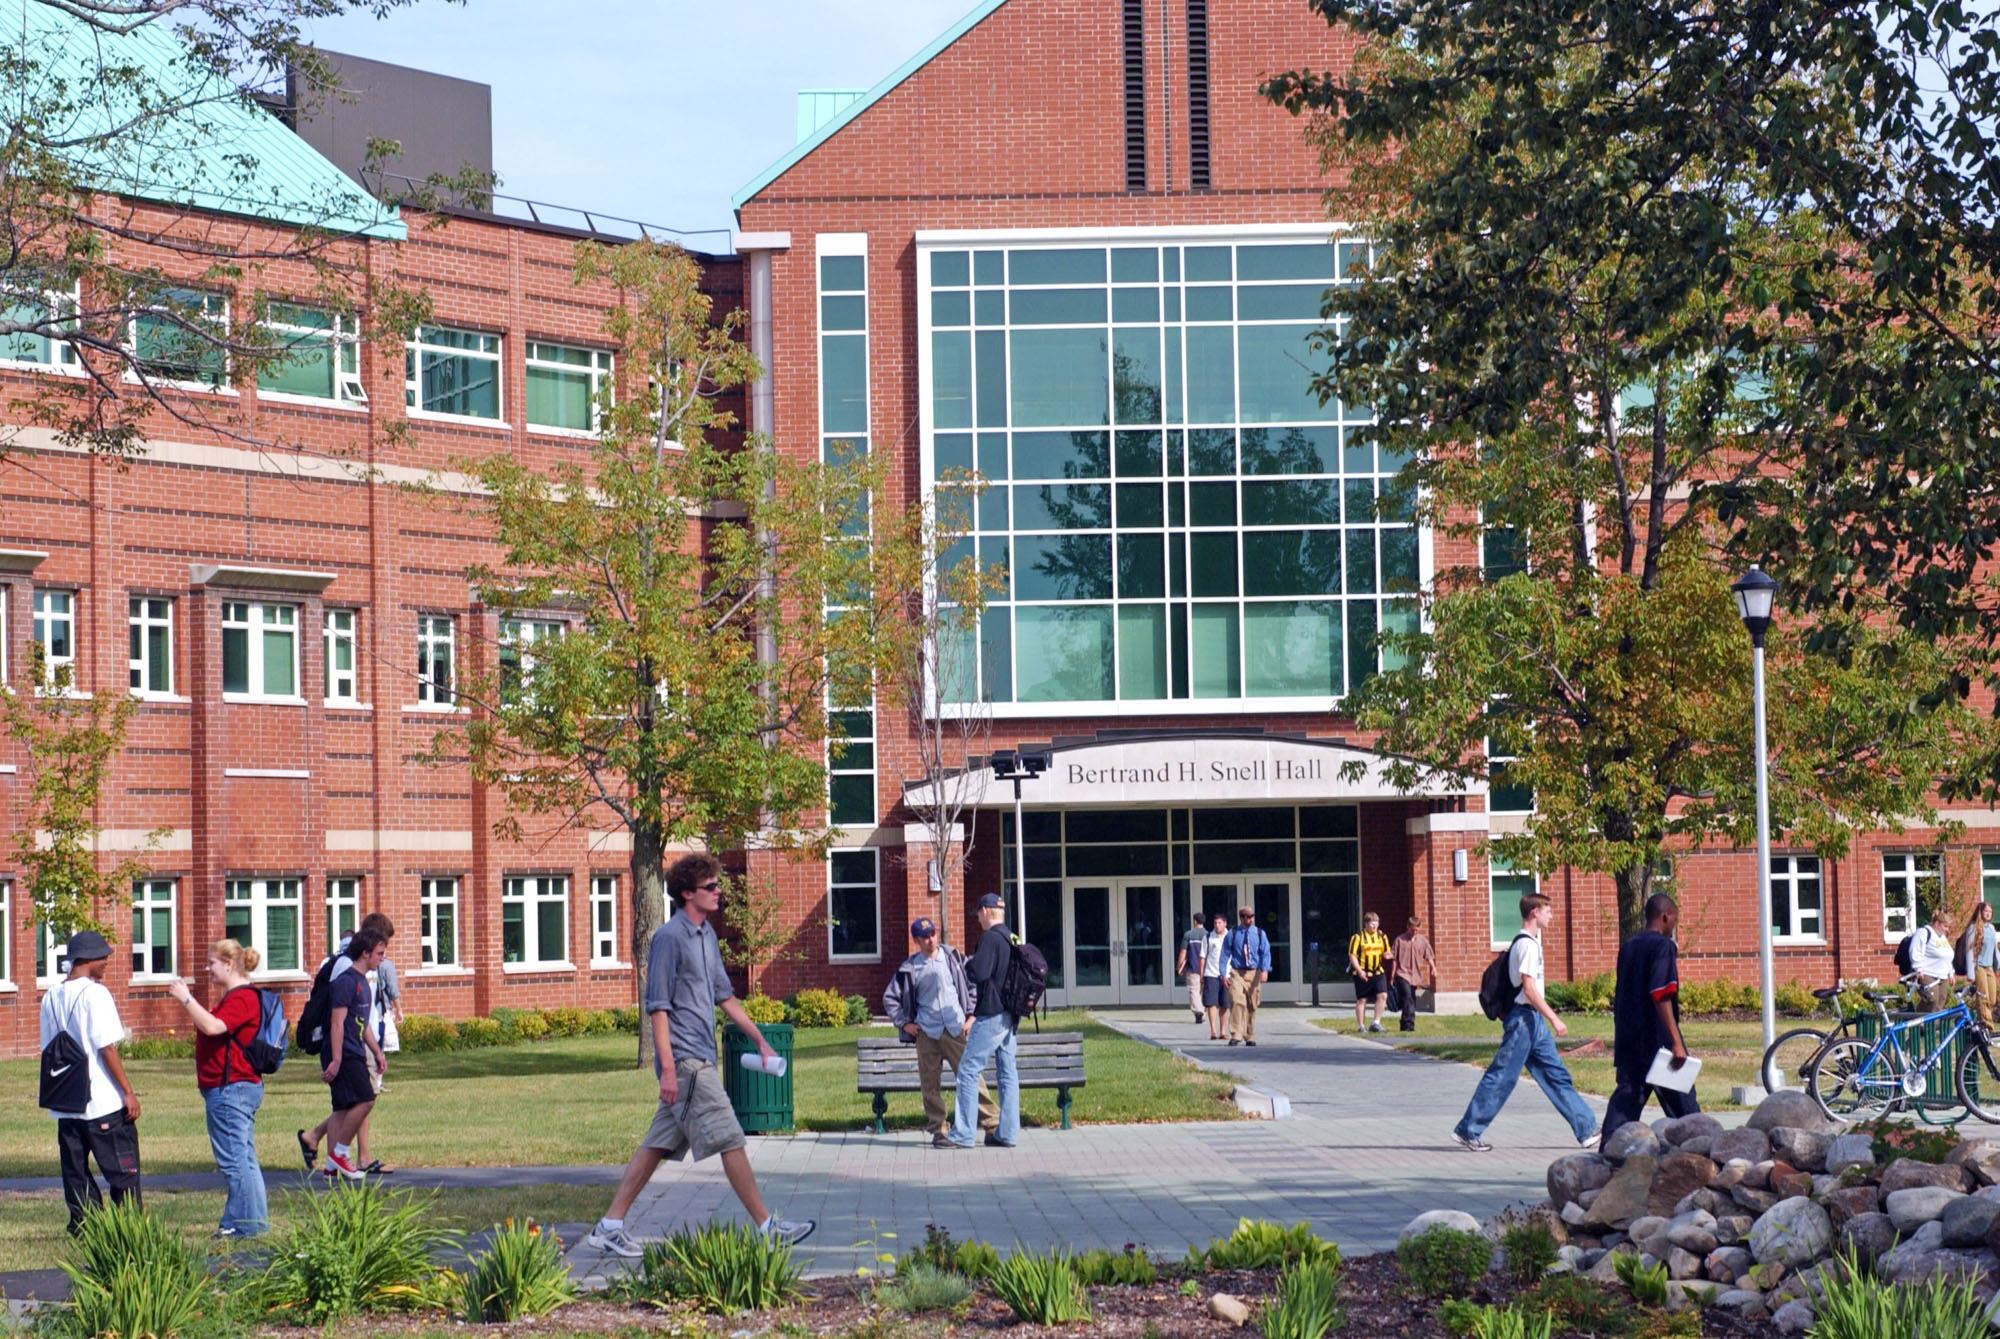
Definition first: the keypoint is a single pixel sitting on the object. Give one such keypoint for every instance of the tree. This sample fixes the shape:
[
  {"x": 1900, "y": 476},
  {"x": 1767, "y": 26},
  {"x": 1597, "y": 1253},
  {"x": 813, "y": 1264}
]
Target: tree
[
  {"x": 1576, "y": 429},
  {"x": 687, "y": 696},
  {"x": 760, "y": 932}
]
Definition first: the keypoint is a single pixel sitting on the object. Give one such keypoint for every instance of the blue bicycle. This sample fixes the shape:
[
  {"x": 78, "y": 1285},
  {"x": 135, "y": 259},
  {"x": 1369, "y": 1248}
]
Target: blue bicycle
[{"x": 1853, "y": 1080}]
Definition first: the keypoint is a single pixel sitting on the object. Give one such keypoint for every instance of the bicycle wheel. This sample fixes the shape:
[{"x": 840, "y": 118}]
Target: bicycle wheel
[
  {"x": 1979, "y": 1081},
  {"x": 1847, "y": 1086},
  {"x": 1787, "y": 1059}
]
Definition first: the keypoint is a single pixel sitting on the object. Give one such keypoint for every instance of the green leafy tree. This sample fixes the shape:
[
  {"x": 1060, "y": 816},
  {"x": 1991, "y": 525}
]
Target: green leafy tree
[
  {"x": 1578, "y": 431},
  {"x": 761, "y": 929}
]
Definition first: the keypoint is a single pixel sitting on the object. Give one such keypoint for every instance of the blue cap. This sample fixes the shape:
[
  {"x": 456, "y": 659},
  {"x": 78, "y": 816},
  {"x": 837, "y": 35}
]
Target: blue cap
[
  {"x": 991, "y": 900},
  {"x": 87, "y": 946},
  {"x": 923, "y": 927}
]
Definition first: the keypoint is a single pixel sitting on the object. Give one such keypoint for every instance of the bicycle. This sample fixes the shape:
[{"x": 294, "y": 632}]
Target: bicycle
[
  {"x": 1787, "y": 1059},
  {"x": 1855, "y": 1080}
]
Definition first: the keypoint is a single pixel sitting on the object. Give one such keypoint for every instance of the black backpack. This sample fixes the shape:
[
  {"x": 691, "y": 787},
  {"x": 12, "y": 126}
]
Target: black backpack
[
  {"x": 1906, "y": 959},
  {"x": 318, "y": 1011},
  {"x": 65, "y": 1072},
  {"x": 1026, "y": 981},
  {"x": 1496, "y": 984}
]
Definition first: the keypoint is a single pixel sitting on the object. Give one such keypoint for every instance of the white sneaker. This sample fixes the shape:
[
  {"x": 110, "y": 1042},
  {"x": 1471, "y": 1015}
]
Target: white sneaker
[
  {"x": 616, "y": 1242},
  {"x": 1471, "y": 1143},
  {"x": 1590, "y": 1142},
  {"x": 789, "y": 1231},
  {"x": 1375, "y": 1026}
]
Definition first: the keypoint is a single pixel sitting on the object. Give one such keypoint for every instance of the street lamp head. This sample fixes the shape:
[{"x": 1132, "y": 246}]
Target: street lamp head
[
  {"x": 1018, "y": 764},
  {"x": 1756, "y": 595},
  {"x": 1003, "y": 763}
]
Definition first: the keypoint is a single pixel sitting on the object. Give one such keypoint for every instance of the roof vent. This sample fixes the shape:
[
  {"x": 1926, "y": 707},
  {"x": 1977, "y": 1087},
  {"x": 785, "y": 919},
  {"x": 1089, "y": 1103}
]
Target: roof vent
[
  {"x": 1197, "y": 66},
  {"x": 820, "y": 106},
  {"x": 1135, "y": 95}
]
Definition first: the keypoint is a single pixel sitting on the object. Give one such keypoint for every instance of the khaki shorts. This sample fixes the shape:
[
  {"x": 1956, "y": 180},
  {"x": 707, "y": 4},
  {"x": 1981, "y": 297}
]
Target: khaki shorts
[{"x": 702, "y": 1123}]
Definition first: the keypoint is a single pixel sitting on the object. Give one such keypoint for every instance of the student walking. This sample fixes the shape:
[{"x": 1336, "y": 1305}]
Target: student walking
[
  {"x": 1214, "y": 984},
  {"x": 685, "y": 984},
  {"x": 1412, "y": 970},
  {"x": 1247, "y": 950},
  {"x": 231, "y": 1091},
  {"x": 376, "y": 1056},
  {"x": 929, "y": 1000},
  {"x": 1367, "y": 952},
  {"x": 1982, "y": 956},
  {"x": 1646, "y": 1016},
  {"x": 1930, "y": 957},
  {"x": 107, "y": 1127},
  {"x": 1526, "y": 1039},
  {"x": 352, "y": 1060},
  {"x": 1187, "y": 962},
  {"x": 992, "y": 1035}
]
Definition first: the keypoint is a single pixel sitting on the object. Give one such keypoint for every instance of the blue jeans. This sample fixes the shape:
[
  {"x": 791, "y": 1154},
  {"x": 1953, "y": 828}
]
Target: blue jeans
[
  {"x": 1524, "y": 1040},
  {"x": 991, "y": 1039},
  {"x": 232, "y": 1133}
]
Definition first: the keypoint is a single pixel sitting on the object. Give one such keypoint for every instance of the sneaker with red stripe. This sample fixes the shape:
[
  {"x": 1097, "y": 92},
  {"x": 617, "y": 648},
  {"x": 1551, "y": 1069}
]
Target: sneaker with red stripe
[{"x": 344, "y": 1165}]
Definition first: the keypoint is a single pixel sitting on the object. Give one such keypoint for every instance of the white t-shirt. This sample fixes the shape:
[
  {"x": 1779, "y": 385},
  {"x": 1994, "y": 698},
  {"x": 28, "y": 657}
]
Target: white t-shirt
[
  {"x": 1524, "y": 959},
  {"x": 1930, "y": 954},
  {"x": 1211, "y": 956},
  {"x": 85, "y": 1009}
]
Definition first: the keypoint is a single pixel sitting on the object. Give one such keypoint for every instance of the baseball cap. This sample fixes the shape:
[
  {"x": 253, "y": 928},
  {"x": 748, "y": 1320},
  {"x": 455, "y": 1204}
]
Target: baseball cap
[
  {"x": 923, "y": 927},
  {"x": 991, "y": 900},
  {"x": 87, "y": 946}
]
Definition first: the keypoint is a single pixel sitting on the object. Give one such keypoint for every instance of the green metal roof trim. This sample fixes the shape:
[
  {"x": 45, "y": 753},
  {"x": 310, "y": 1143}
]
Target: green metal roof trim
[
  {"x": 866, "y": 100},
  {"x": 143, "y": 118}
]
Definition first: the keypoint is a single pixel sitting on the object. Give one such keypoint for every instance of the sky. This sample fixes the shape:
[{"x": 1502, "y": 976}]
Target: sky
[{"x": 657, "y": 110}]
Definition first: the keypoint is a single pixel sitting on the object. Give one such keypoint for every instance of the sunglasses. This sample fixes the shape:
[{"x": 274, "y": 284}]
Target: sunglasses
[{"x": 713, "y": 885}]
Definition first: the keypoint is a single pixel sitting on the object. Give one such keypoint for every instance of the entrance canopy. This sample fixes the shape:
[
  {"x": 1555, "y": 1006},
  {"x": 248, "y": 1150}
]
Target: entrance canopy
[{"x": 1121, "y": 771}]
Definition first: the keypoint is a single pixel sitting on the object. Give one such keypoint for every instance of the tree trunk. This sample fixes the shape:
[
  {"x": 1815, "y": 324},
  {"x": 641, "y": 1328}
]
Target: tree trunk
[
  {"x": 648, "y": 912},
  {"x": 1635, "y": 885}
]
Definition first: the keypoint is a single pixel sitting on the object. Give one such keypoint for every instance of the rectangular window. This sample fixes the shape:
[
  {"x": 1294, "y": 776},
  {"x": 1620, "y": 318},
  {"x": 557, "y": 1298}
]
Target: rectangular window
[
  {"x": 55, "y": 632},
  {"x": 437, "y": 906},
  {"x": 435, "y": 635},
  {"x": 534, "y": 921},
  {"x": 452, "y": 372},
  {"x": 1504, "y": 796},
  {"x": 153, "y": 929},
  {"x": 49, "y": 941},
  {"x": 518, "y": 639},
  {"x": 603, "y": 920},
  {"x": 266, "y": 914},
  {"x": 566, "y": 385},
  {"x": 318, "y": 355},
  {"x": 1508, "y": 890},
  {"x": 343, "y": 910},
  {"x": 1912, "y": 883},
  {"x": 854, "y": 905},
  {"x": 850, "y": 771},
  {"x": 1989, "y": 879},
  {"x": 6, "y": 930},
  {"x": 41, "y": 346},
  {"x": 260, "y": 650},
  {"x": 183, "y": 337},
  {"x": 151, "y": 621},
  {"x": 1796, "y": 898},
  {"x": 339, "y": 682}
]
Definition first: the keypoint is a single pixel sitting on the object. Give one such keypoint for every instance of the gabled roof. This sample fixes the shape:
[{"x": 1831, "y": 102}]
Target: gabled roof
[
  {"x": 865, "y": 101},
  {"x": 141, "y": 116}
]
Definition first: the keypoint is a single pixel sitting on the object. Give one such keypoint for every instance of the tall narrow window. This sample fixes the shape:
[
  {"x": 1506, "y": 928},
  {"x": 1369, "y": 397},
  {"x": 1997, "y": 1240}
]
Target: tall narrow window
[
  {"x": 6, "y": 929},
  {"x": 55, "y": 631},
  {"x": 603, "y": 920},
  {"x": 843, "y": 302},
  {"x": 1796, "y": 899},
  {"x": 260, "y": 650},
  {"x": 434, "y": 660},
  {"x": 343, "y": 910},
  {"x": 338, "y": 636},
  {"x": 1197, "y": 73},
  {"x": 1135, "y": 95},
  {"x": 152, "y": 929},
  {"x": 151, "y": 622},
  {"x": 1912, "y": 883},
  {"x": 853, "y": 904},
  {"x": 437, "y": 906},
  {"x": 1508, "y": 888}
]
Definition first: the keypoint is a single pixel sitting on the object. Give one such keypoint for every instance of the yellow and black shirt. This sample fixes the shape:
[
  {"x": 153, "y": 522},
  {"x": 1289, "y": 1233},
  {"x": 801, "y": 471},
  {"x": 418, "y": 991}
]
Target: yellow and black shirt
[{"x": 1369, "y": 948}]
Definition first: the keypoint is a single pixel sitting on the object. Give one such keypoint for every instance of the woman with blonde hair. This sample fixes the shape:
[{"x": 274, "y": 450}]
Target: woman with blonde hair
[{"x": 231, "y": 1091}]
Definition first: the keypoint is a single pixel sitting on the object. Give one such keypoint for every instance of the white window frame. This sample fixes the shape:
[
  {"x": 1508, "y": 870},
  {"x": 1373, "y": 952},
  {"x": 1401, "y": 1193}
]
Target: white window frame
[
  {"x": 343, "y": 894},
  {"x": 1989, "y": 878},
  {"x": 143, "y": 613},
  {"x": 435, "y": 631},
  {"x": 518, "y": 639},
  {"x": 63, "y": 357},
  {"x": 215, "y": 308},
  {"x": 532, "y": 892},
  {"x": 344, "y": 335},
  {"x": 6, "y": 599},
  {"x": 6, "y": 936},
  {"x": 1787, "y": 876},
  {"x": 604, "y": 921},
  {"x": 250, "y": 618},
  {"x": 1901, "y": 871},
  {"x": 52, "y": 951},
  {"x": 332, "y": 634},
  {"x": 434, "y": 891},
  {"x": 875, "y": 857},
  {"x": 261, "y": 896},
  {"x": 1495, "y": 871},
  {"x": 39, "y": 617},
  {"x": 416, "y": 347},
  {"x": 146, "y": 895},
  {"x": 600, "y": 372}
]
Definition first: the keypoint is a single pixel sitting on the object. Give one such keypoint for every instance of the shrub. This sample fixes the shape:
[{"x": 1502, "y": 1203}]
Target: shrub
[
  {"x": 1794, "y": 1000},
  {"x": 975, "y": 1260},
  {"x": 858, "y": 1012},
  {"x": 1857, "y": 1305},
  {"x": 924, "y": 1287},
  {"x": 723, "y": 1269},
  {"x": 422, "y": 1032},
  {"x": 1444, "y": 1262},
  {"x": 349, "y": 1250},
  {"x": 475, "y": 1033},
  {"x": 157, "y": 1048},
  {"x": 567, "y": 1021},
  {"x": 1307, "y": 1303},
  {"x": 1591, "y": 994},
  {"x": 626, "y": 1019},
  {"x": 599, "y": 1022},
  {"x": 1891, "y": 1139},
  {"x": 1041, "y": 1287},
  {"x": 520, "y": 1276},
  {"x": 134, "y": 1275},
  {"x": 763, "y": 1009},
  {"x": 1578, "y": 1305},
  {"x": 1647, "y": 1282},
  {"x": 1529, "y": 1249},
  {"x": 1495, "y": 1322},
  {"x": 1097, "y": 1268},
  {"x": 530, "y": 1025},
  {"x": 1262, "y": 1244},
  {"x": 818, "y": 1008}
]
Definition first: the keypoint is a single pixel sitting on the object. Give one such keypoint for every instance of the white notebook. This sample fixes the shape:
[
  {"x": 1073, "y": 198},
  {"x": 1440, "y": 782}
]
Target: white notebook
[{"x": 1664, "y": 1075}]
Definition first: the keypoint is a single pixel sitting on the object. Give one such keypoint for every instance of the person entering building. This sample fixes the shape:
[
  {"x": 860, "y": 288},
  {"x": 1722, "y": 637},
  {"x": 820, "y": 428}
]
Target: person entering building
[
  {"x": 1214, "y": 979},
  {"x": 1188, "y": 962}
]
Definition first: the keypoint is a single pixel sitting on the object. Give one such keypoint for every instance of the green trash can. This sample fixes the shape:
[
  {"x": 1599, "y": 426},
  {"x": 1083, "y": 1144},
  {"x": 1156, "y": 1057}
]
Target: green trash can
[{"x": 763, "y": 1102}]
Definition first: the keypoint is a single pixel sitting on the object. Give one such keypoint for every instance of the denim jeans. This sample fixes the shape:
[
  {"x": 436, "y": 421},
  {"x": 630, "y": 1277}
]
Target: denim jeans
[
  {"x": 991, "y": 1039},
  {"x": 232, "y": 1133},
  {"x": 1525, "y": 1040}
]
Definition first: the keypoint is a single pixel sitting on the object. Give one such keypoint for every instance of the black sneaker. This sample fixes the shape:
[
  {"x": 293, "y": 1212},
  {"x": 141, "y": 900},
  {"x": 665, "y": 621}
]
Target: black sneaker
[
  {"x": 942, "y": 1141},
  {"x": 995, "y": 1141},
  {"x": 1234, "y": 1042}
]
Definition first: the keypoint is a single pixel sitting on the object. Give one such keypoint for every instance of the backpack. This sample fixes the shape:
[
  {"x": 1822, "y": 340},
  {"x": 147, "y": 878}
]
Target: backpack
[
  {"x": 1026, "y": 981},
  {"x": 266, "y": 1050},
  {"x": 65, "y": 1072},
  {"x": 1496, "y": 984},
  {"x": 318, "y": 1011},
  {"x": 1906, "y": 956}
]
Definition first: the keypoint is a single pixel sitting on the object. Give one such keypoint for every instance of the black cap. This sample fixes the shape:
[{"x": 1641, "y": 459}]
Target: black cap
[
  {"x": 87, "y": 946},
  {"x": 991, "y": 900}
]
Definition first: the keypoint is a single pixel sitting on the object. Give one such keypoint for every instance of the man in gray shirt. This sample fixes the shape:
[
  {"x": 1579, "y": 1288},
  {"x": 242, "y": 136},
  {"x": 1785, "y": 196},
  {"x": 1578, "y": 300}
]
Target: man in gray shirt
[
  {"x": 929, "y": 1000},
  {"x": 685, "y": 983}
]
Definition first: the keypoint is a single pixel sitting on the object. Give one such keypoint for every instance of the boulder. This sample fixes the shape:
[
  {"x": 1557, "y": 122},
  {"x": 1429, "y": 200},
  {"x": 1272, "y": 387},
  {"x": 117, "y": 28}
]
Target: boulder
[
  {"x": 1606, "y": 1268},
  {"x": 1926, "y": 1240},
  {"x": 1455, "y": 1219},
  {"x": 1987, "y": 1193},
  {"x": 1797, "y": 1183},
  {"x": 1792, "y": 1317},
  {"x": 1567, "y": 1258},
  {"x": 1731, "y": 1174},
  {"x": 1966, "y": 1221},
  {"x": 1649, "y": 1234},
  {"x": 1679, "y": 1175},
  {"x": 1849, "y": 1150},
  {"x": 1573, "y": 1214},
  {"x": 1732, "y": 1227},
  {"x": 1701, "y": 1125},
  {"x": 1632, "y": 1139},
  {"x": 1981, "y": 1157},
  {"x": 1548, "y": 1220},
  {"x": 1794, "y": 1232},
  {"x": 1791, "y": 1109},
  {"x": 1911, "y": 1209},
  {"x": 1851, "y": 1202},
  {"x": 1908, "y": 1174},
  {"x": 1229, "y": 1310},
  {"x": 1869, "y": 1235},
  {"x": 1752, "y": 1146},
  {"x": 1569, "y": 1176},
  {"x": 1682, "y": 1264},
  {"x": 1738, "y": 1299},
  {"x": 1711, "y": 1201},
  {"x": 1767, "y": 1275},
  {"x": 1587, "y": 1196},
  {"x": 1625, "y": 1195},
  {"x": 1726, "y": 1264},
  {"x": 1701, "y": 1144},
  {"x": 1686, "y": 1296},
  {"x": 1807, "y": 1285},
  {"x": 1804, "y": 1149},
  {"x": 1756, "y": 1201},
  {"x": 1700, "y": 1240},
  {"x": 1822, "y": 1184}
]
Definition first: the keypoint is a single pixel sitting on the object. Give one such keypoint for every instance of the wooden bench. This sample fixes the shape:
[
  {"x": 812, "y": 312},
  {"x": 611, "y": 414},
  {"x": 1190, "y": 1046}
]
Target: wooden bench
[{"x": 885, "y": 1065}]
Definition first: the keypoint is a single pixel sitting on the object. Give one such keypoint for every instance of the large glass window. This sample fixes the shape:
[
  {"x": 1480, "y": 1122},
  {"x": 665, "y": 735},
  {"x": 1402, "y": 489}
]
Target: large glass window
[
  {"x": 260, "y": 649},
  {"x": 150, "y": 622},
  {"x": 153, "y": 927},
  {"x": 534, "y": 921},
  {"x": 1508, "y": 889},
  {"x": 437, "y": 908},
  {"x": 843, "y": 372},
  {"x": 1180, "y": 515},
  {"x": 1796, "y": 898},
  {"x": 183, "y": 336},
  {"x": 454, "y": 372},
  {"x": 265, "y": 915},
  {"x": 36, "y": 348},
  {"x": 318, "y": 356},
  {"x": 1912, "y": 883},
  {"x": 854, "y": 904},
  {"x": 566, "y": 385}
]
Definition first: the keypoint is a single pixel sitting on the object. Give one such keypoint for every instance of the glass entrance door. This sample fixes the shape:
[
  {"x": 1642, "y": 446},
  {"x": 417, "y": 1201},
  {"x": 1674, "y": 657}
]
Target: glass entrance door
[
  {"x": 1119, "y": 949},
  {"x": 1092, "y": 968},
  {"x": 1275, "y": 899},
  {"x": 1147, "y": 958}
]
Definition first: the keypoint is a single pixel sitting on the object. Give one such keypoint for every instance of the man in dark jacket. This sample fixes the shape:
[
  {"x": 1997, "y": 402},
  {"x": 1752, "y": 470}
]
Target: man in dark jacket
[
  {"x": 1646, "y": 1018},
  {"x": 992, "y": 1035},
  {"x": 929, "y": 999}
]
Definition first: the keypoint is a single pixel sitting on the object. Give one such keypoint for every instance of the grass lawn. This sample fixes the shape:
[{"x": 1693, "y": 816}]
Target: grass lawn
[
  {"x": 31, "y": 1225},
  {"x": 578, "y": 1100},
  {"x": 1729, "y": 1050}
]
